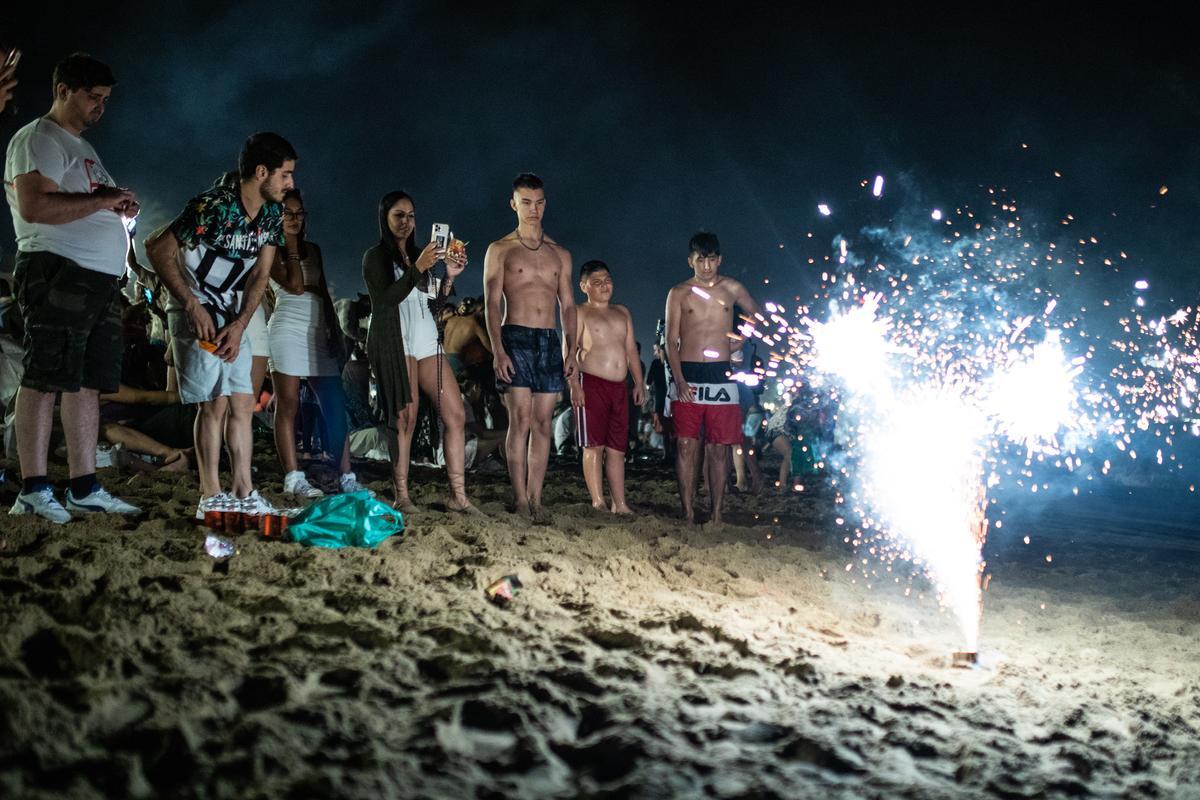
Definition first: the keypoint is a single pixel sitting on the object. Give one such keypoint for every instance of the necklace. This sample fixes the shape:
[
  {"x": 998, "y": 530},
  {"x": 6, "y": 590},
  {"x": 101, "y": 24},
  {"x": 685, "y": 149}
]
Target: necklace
[{"x": 541, "y": 241}]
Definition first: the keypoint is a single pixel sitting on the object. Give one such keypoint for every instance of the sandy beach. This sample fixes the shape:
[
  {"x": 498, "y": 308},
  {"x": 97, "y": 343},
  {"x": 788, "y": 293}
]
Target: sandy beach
[{"x": 642, "y": 658}]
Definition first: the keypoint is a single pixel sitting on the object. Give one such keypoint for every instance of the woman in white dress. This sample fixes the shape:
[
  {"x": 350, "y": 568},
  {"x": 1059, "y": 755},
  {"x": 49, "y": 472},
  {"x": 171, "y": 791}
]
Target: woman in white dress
[
  {"x": 428, "y": 368},
  {"x": 306, "y": 343}
]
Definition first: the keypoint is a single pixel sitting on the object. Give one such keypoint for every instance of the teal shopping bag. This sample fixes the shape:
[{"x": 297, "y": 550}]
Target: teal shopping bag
[{"x": 346, "y": 520}]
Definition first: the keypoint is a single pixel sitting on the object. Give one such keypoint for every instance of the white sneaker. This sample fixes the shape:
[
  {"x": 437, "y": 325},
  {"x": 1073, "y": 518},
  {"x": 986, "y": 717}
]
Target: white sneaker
[
  {"x": 101, "y": 501},
  {"x": 43, "y": 504},
  {"x": 221, "y": 501},
  {"x": 255, "y": 505},
  {"x": 348, "y": 483},
  {"x": 296, "y": 483}
]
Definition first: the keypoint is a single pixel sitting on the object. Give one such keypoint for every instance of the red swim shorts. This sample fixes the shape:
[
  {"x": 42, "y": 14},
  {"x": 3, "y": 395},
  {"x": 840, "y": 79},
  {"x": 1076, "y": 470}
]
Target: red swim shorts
[
  {"x": 715, "y": 411},
  {"x": 603, "y": 420},
  {"x": 722, "y": 424}
]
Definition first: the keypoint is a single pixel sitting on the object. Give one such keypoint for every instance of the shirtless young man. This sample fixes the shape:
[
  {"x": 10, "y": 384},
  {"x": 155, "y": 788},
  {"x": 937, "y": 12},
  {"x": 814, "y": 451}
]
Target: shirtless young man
[
  {"x": 607, "y": 351},
  {"x": 524, "y": 274},
  {"x": 699, "y": 331}
]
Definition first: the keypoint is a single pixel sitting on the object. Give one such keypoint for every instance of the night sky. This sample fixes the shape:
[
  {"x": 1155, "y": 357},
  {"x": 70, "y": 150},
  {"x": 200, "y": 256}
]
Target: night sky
[{"x": 648, "y": 126}]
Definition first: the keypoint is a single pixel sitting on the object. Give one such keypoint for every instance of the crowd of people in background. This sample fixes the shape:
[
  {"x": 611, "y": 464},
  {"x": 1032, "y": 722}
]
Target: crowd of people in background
[{"x": 170, "y": 365}]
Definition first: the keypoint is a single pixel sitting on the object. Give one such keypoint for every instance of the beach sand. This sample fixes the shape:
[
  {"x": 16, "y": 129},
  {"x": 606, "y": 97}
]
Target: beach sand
[{"x": 642, "y": 658}]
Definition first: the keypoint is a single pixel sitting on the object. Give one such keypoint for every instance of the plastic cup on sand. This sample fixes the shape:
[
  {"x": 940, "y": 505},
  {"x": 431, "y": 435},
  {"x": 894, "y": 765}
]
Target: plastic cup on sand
[{"x": 273, "y": 527}]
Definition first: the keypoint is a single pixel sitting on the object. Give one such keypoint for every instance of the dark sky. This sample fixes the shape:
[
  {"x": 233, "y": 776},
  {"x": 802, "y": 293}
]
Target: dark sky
[{"x": 649, "y": 125}]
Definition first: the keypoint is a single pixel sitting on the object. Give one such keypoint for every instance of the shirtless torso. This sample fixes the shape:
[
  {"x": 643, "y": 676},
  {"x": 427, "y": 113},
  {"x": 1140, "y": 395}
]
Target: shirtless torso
[
  {"x": 605, "y": 338},
  {"x": 700, "y": 320},
  {"x": 465, "y": 335},
  {"x": 523, "y": 283},
  {"x": 530, "y": 279}
]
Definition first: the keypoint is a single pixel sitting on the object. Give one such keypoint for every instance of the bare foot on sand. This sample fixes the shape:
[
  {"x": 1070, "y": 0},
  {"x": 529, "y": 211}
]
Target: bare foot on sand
[
  {"x": 621, "y": 509},
  {"x": 539, "y": 516},
  {"x": 599, "y": 506},
  {"x": 176, "y": 462}
]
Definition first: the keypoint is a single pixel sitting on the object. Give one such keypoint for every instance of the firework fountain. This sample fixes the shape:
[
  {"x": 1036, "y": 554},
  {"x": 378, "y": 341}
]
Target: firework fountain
[{"x": 954, "y": 370}]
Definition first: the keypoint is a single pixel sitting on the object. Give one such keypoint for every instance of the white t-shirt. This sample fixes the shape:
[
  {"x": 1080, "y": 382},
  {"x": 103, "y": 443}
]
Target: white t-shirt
[{"x": 98, "y": 241}]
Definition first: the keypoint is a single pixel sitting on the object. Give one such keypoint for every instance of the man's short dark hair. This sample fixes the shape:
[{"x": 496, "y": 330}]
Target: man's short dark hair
[
  {"x": 268, "y": 149},
  {"x": 704, "y": 244},
  {"x": 595, "y": 265},
  {"x": 81, "y": 71},
  {"x": 527, "y": 180}
]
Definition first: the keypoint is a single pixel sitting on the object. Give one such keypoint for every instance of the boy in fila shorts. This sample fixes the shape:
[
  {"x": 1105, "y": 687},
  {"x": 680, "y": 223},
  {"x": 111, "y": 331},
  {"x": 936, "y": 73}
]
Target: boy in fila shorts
[
  {"x": 607, "y": 351},
  {"x": 704, "y": 399}
]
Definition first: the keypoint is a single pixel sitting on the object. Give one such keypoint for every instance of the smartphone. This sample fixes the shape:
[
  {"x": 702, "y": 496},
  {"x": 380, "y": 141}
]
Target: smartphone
[
  {"x": 13, "y": 58},
  {"x": 441, "y": 235}
]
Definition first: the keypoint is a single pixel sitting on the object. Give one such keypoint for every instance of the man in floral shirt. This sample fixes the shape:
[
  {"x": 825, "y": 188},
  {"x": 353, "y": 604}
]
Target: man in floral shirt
[{"x": 215, "y": 259}]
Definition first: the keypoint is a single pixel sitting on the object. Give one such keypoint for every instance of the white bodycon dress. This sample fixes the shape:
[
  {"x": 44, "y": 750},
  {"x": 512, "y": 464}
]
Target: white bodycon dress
[{"x": 298, "y": 328}]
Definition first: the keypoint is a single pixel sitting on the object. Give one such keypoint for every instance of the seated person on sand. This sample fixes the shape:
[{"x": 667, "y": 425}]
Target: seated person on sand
[
  {"x": 144, "y": 416},
  {"x": 149, "y": 422},
  {"x": 12, "y": 352},
  {"x": 607, "y": 352},
  {"x": 465, "y": 340}
]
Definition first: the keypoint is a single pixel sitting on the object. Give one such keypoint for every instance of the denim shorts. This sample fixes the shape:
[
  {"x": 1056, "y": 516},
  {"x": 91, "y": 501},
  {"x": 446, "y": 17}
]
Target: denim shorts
[{"x": 536, "y": 355}]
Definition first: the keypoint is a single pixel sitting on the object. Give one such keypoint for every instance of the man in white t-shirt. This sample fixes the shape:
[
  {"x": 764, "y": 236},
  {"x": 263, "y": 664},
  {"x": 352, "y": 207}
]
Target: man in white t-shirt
[{"x": 69, "y": 216}]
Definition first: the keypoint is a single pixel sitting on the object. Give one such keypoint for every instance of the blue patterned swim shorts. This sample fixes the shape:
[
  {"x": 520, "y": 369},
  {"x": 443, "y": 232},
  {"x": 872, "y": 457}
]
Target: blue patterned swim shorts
[{"x": 536, "y": 354}]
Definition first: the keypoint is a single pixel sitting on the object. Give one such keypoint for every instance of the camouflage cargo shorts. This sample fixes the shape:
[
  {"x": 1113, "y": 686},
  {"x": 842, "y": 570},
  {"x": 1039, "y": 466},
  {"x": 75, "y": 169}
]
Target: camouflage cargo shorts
[{"x": 72, "y": 324}]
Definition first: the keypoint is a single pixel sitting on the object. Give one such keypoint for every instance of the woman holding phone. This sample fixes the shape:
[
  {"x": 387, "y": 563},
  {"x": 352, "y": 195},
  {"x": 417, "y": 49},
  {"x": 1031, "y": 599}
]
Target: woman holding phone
[
  {"x": 306, "y": 343},
  {"x": 403, "y": 347}
]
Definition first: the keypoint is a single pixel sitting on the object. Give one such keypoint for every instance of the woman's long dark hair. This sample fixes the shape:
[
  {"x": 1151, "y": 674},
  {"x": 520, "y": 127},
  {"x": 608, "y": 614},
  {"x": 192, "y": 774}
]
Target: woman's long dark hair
[
  {"x": 294, "y": 194},
  {"x": 385, "y": 233}
]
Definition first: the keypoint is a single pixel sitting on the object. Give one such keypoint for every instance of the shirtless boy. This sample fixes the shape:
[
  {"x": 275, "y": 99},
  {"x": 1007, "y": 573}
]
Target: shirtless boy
[
  {"x": 607, "y": 351},
  {"x": 699, "y": 332},
  {"x": 524, "y": 275}
]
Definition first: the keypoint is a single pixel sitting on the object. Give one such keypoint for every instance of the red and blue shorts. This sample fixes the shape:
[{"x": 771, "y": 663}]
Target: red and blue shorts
[
  {"x": 603, "y": 419},
  {"x": 714, "y": 415}
]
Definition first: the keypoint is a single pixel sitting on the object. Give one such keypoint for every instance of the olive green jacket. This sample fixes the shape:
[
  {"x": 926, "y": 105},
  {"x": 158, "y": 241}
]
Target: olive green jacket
[{"x": 385, "y": 344}]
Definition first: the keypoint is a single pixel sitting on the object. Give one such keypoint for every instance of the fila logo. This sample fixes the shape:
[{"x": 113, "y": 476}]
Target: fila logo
[{"x": 705, "y": 394}]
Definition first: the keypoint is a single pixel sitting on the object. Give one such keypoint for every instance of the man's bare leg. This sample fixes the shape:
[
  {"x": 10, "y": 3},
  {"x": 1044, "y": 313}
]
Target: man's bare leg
[
  {"x": 239, "y": 438},
  {"x": 137, "y": 442},
  {"x": 209, "y": 431},
  {"x": 592, "y": 475},
  {"x": 687, "y": 464},
  {"x": 518, "y": 401},
  {"x": 716, "y": 457},
  {"x": 540, "y": 424},
  {"x": 34, "y": 420},
  {"x": 614, "y": 469}
]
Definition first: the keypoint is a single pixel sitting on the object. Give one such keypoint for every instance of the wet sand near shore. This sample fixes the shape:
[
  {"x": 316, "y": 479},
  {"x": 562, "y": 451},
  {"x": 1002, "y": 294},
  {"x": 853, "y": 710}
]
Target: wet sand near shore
[{"x": 642, "y": 658}]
